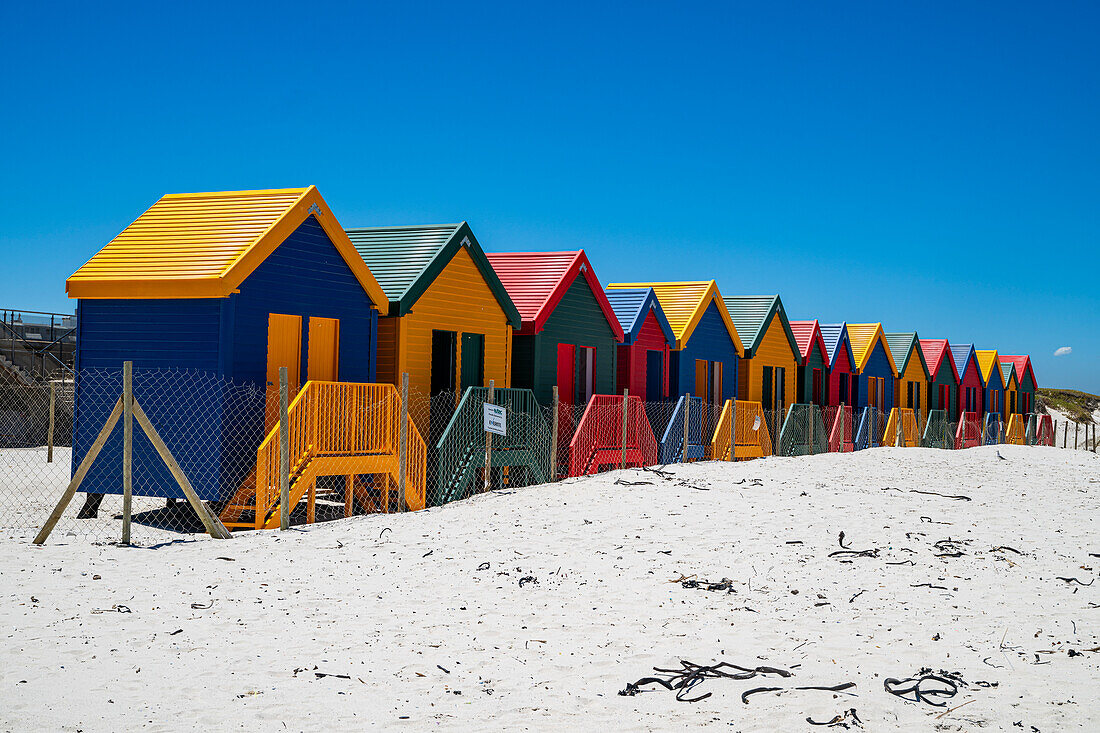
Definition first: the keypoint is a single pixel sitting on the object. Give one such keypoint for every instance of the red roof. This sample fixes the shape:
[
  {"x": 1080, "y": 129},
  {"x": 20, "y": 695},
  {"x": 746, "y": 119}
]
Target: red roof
[
  {"x": 934, "y": 351},
  {"x": 536, "y": 282},
  {"x": 1021, "y": 363},
  {"x": 805, "y": 334}
]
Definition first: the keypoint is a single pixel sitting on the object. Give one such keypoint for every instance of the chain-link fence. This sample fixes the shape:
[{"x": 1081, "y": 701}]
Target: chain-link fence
[{"x": 208, "y": 450}]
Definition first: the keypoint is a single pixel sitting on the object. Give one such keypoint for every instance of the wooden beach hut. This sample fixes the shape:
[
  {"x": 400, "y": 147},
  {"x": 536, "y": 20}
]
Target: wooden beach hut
[
  {"x": 943, "y": 387},
  {"x": 843, "y": 387},
  {"x": 568, "y": 334},
  {"x": 1025, "y": 397},
  {"x": 450, "y": 320},
  {"x": 874, "y": 366},
  {"x": 989, "y": 366},
  {"x": 643, "y": 355},
  {"x": 813, "y": 369},
  {"x": 971, "y": 387},
  {"x": 911, "y": 389},
  {"x": 768, "y": 373},
  {"x": 704, "y": 361},
  {"x": 1012, "y": 389},
  {"x": 224, "y": 289}
]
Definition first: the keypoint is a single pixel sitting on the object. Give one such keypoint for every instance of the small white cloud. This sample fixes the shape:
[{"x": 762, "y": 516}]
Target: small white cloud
[{"x": 1063, "y": 351}]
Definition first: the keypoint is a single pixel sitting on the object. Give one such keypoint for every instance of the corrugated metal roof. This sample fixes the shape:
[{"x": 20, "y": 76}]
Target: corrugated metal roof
[
  {"x": 406, "y": 259},
  {"x": 203, "y": 245},
  {"x": 935, "y": 351},
  {"x": 536, "y": 281},
  {"x": 962, "y": 353},
  {"x": 752, "y": 316},
  {"x": 684, "y": 304},
  {"x": 989, "y": 365},
  {"x": 632, "y": 306},
  {"x": 864, "y": 336},
  {"x": 835, "y": 334},
  {"x": 903, "y": 346},
  {"x": 806, "y": 333},
  {"x": 1022, "y": 364},
  {"x": 398, "y": 255}
]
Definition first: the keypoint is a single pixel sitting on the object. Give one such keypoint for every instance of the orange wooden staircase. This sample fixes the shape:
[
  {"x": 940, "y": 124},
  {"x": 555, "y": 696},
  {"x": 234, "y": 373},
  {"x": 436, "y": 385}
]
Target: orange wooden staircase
[{"x": 335, "y": 429}]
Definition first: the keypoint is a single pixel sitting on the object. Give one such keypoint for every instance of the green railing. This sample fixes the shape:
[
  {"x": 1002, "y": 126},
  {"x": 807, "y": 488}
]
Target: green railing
[
  {"x": 460, "y": 450},
  {"x": 937, "y": 431}
]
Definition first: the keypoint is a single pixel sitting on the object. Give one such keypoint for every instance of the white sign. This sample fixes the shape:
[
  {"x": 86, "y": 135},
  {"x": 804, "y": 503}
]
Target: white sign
[
  {"x": 756, "y": 423},
  {"x": 495, "y": 420}
]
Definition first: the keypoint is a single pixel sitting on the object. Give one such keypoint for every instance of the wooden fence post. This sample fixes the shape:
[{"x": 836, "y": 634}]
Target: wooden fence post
[
  {"x": 489, "y": 441},
  {"x": 626, "y": 398},
  {"x": 284, "y": 451},
  {"x": 403, "y": 444},
  {"x": 687, "y": 425},
  {"x": 1076, "y": 430},
  {"x": 49, "y": 435},
  {"x": 554, "y": 436},
  {"x": 127, "y": 446},
  {"x": 1065, "y": 433}
]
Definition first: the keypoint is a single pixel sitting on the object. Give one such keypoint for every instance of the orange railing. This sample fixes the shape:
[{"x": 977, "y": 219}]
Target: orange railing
[
  {"x": 906, "y": 419},
  {"x": 721, "y": 445},
  {"x": 1014, "y": 433},
  {"x": 341, "y": 419},
  {"x": 751, "y": 437}
]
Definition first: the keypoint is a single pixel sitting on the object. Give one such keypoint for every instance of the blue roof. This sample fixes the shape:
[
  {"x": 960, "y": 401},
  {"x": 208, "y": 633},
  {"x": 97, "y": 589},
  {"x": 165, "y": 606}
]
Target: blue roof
[
  {"x": 631, "y": 306},
  {"x": 961, "y": 353},
  {"x": 834, "y": 334}
]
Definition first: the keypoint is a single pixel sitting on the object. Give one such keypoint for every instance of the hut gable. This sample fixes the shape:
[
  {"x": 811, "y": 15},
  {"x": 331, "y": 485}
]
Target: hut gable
[
  {"x": 807, "y": 334},
  {"x": 836, "y": 340},
  {"x": 685, "y": 304},
  {"x": 406, "y": 260},
  {"x": 632, "y": 307},
  {"x": 204, "y": 245}
]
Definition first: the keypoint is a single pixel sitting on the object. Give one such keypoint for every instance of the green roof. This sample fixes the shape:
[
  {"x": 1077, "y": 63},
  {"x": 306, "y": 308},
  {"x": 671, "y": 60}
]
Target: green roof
[
  {"x": 901, "y": 347},
  {"x": 406, "y": 259},
  {"x": 751, "y": 315}
]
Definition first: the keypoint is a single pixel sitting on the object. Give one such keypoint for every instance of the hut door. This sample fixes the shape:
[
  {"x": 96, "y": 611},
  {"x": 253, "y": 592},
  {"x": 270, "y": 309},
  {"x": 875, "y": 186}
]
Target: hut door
[
  {"x": 323, "y": 349},
  {"x": 473, "y": 360},
  {"x": 284, "y": 349},
  {"x": 817, "y": 387},
  {"x": 586, "y": 374},
  {"x": 701, "y": 378},
  {"x": 716, "y": 382},
  {"x": 654, "y": 375},
  {"x": 443, "y": 362},
  {"x": 566, "y": 366}
]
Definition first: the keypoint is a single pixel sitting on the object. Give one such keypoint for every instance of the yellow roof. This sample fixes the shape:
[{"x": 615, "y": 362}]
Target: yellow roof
[
  {"x": 203, "y": 245},
  {"x": 863, "y": 337},
  {"x": 684, "y": 304},
  {"x": 989, "y": 364}
]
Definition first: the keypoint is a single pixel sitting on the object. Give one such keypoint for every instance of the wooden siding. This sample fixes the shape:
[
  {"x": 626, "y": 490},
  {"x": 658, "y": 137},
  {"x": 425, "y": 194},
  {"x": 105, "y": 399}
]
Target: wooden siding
[
  {"x": 881, "y": 365},
  {"x": 945, "y": 375},
  {"x": 973, "y": 380},
  {"x": 914, "y": 373},
  {"x": 841, "y": 366},
  {"x": 816, "y": 360},
  {"x": 773, "y": 350},
  {"x": 457, "y": 300},
  {"x": 631, "y": 369},
  {"x": 578, "y": 319},
  {"x": 710, "y": 340}
]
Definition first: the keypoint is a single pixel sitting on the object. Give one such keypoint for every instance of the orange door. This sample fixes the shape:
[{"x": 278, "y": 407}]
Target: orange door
[
  {"x": 284, "y": 349},
  {"x": 323, "y": 349},
  {"x": 701, "y": 377}
]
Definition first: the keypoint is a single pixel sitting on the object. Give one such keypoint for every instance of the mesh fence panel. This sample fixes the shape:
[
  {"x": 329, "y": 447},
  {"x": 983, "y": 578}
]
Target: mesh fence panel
[{"x": 346, "y": 442}]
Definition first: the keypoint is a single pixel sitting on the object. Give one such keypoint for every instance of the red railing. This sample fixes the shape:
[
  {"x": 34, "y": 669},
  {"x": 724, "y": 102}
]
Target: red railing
[{"x": 600, "y": 439}]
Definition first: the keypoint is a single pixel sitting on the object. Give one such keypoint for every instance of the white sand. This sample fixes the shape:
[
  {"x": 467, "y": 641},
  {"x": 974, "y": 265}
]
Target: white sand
[
  {"x": 1065, "y": 435},
  {"x": 387, "y": 607}
]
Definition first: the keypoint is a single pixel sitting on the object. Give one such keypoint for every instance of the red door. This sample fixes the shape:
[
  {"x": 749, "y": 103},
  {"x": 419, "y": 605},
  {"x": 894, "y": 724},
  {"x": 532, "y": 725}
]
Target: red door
[{"x": 566, "y": 389}]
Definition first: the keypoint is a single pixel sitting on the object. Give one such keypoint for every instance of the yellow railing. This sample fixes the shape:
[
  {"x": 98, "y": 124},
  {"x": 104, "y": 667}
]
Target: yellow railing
[
  {"x": 751, "y": 437},
  {"x": 908, "y": 421},
  {"x": 341, "y": 419},
  {"x": 721, "y": 445}
]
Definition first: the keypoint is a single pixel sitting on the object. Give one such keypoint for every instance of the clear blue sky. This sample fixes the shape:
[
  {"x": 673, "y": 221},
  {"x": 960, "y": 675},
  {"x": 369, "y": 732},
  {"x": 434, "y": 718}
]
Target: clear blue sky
[{"x": 933, "y": 166}]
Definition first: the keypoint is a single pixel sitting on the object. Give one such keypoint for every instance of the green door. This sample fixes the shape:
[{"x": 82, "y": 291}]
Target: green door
[{"x": 473, "y": 360}]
